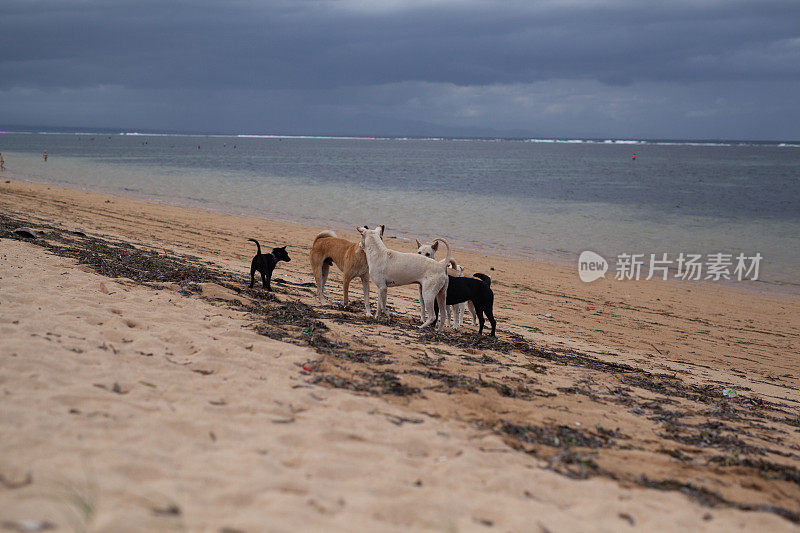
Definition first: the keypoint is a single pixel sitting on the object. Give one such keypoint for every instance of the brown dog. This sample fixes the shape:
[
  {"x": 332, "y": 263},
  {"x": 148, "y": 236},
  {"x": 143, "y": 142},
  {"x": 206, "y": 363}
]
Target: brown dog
[{"x": 328, "y": 248}]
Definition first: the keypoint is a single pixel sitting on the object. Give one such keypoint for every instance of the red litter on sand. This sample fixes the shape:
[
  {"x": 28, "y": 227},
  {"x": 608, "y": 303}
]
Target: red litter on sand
[{"x": 307, "y": 368}]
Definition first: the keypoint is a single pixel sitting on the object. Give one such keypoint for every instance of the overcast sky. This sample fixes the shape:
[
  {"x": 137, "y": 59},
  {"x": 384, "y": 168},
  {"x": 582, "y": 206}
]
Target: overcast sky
[{"x": 694, "y": 69}]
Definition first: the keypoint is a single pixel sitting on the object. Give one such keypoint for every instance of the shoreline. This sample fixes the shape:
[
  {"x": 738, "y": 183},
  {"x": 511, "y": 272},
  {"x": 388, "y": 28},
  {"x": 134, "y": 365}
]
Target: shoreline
[
  {"x": 612, "y": 406},
  {"x": 557, "y": 259}
]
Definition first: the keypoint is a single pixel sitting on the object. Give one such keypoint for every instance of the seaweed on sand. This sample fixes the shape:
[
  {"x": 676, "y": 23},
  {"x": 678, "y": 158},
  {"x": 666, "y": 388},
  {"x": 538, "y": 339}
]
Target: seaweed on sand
[
  {"x": 766, "y": 469},
  {"x": 120, "y": 259},
  {"x": 561, "y": 436},
  {"x": 379, "y": 383}
]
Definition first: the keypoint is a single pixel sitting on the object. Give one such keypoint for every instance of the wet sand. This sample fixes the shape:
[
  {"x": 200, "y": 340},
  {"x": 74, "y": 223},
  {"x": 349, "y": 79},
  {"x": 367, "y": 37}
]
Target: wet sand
[{"x": 145, "y": 387}]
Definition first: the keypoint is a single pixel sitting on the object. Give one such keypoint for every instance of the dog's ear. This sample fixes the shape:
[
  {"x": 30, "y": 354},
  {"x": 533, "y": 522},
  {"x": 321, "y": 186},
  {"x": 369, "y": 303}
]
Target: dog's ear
[
  {"x": 366, "y": 227},
  {"x": 435, "y": 245},
  {"x": 417, "y": 241},
  {"x": 361, "y": 230},
  {"x": 383, "y": 227}
]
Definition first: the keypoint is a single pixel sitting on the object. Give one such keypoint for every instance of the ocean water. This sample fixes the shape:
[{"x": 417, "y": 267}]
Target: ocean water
[{"x": 536, "y": 199}]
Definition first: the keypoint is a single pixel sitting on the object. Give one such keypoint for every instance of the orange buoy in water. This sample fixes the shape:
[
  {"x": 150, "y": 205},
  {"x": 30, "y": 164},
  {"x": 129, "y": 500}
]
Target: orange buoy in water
[{"x": 634, "y": 157}]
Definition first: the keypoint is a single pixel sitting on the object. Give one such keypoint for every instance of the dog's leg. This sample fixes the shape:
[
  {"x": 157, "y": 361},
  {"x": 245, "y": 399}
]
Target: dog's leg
[
  {"x": 421, "y": 304},
  {"x": 382, "y": 292},
  {"x": 490, "y": 316},
  {"x": 480, "y": 321},
  {"x": 429, "y": 296},
  {"x": 365, "y": 284},
  {"x": 488, "y": 307},
  {"x": 266, "y": 280},
  {"x": 441, "y": 299},
  {"x": 322, "y": 279},
  {"x": 385, "y": 303},
  {"x": 315, "y": 269},
  {"x": 471, "y": 308},
  {"x": 346, "y": 289},
  {"x": 252, "y": 274}
]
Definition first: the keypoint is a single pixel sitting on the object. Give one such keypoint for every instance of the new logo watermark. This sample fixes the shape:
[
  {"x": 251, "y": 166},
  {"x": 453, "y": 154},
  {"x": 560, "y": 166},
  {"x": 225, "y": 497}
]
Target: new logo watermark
[
  {"x": 591, "y": 266},
  {"x": 684, "y": 266}
]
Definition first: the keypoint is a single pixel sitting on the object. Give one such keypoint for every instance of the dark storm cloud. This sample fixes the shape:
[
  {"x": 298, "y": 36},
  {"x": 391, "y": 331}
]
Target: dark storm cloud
[
  {"x": 317, "y": 45},
  {"x": 623, "y": 68}
]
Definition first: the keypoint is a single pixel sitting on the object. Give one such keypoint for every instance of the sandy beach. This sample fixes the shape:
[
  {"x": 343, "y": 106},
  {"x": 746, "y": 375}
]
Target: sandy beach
[{"x": 144, "y": 388}]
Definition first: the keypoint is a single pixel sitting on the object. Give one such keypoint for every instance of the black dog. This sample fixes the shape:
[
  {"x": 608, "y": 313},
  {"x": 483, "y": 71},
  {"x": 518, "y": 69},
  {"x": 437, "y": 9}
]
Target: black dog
[
  {"x": 478, "y": 291},
  {"x": 265, "y": 264}
]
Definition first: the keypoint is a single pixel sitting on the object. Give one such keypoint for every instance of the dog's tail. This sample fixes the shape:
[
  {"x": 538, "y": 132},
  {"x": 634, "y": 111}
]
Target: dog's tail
[
  {"x": 483, "y": 277},
  {"x": 259, "y": 246},
  {"x": 446, "y": 261},
  {"x": 326, "y": 233},
  {"x": 453, "y": 264}
]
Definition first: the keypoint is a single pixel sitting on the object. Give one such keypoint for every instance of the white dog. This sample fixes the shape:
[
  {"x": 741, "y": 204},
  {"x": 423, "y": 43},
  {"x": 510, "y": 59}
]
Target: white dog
[
  {"x": 455, "y": 313},
  {"x": 429, "y": 250},
  {"x": 390, "y": 268}
]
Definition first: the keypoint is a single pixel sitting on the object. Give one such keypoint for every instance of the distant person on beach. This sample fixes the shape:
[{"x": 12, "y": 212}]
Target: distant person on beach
[
  {"x": 2, "y": 162},
  {"x": 44, "y": 155}
]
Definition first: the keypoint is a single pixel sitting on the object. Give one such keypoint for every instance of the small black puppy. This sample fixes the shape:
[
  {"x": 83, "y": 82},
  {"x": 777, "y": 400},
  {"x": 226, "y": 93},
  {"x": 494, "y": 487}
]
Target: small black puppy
[
  {"x": 478, "y": 291},
  {"x": 265, "y": 264}
]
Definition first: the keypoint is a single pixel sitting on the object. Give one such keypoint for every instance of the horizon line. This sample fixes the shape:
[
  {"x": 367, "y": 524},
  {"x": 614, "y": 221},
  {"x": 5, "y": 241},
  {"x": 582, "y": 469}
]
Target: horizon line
[{"x": 56, "y": 130}]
